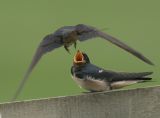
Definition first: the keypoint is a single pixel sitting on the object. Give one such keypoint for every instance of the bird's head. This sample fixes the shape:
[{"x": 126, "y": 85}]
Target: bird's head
[{"x": 81, "y": 58}]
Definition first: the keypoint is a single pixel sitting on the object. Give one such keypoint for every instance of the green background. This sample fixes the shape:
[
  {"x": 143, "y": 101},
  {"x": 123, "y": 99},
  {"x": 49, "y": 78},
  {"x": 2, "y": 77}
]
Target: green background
[{"x": 23, "y": 24}]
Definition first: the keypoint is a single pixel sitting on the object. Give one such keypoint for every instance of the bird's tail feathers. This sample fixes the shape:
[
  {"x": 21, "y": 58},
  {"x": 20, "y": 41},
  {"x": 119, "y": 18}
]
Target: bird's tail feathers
[{"x": 124, "y": 83}]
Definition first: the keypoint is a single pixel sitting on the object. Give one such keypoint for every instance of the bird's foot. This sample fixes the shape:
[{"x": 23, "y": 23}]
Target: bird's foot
[
  {"x": 87, "y": 92},
  {"x": 66, "y": 48},
  {"x": 75, "y": 45}
]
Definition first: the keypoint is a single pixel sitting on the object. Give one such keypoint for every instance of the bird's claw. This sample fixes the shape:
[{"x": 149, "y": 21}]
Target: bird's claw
[
  {"x": 88, "y": 92},
  {"x": 75, "y": 45},
  {"x": 66, "y": 48}
]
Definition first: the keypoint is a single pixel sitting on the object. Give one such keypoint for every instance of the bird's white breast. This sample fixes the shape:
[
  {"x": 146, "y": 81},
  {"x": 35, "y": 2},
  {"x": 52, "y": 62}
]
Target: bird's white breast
[{"x": 91, "y": 84}]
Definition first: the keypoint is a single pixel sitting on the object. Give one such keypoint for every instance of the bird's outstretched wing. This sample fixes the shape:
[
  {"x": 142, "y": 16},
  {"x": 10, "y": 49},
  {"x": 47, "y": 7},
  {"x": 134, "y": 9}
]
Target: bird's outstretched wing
[
  {"x": 87, "y": 32},
  {"x": 49, "y": 43}
]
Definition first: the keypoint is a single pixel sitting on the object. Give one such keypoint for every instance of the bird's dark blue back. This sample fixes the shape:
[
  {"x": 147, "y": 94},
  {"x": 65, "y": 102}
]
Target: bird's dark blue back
[{"x": 92, "y": 71}]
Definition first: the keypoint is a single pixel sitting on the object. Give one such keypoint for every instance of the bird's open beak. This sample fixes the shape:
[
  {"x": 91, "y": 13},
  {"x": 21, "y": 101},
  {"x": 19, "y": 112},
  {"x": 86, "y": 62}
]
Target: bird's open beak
[{"x": 79, "y": 58}]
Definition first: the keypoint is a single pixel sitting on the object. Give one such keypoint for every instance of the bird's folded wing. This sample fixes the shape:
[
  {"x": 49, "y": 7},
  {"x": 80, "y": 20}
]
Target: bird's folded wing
[{"x": 108, "y": 75}]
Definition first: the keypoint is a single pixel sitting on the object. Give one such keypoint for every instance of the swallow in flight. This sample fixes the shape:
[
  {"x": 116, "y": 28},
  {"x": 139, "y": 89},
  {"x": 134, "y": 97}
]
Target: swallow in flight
[
  {"x": 68, "y": 35},
  {"x": 96, "y": 79}
]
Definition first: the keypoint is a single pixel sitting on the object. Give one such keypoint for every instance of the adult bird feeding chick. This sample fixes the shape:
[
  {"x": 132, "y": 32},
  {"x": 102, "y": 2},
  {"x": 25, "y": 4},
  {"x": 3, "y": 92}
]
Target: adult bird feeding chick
[
  {"x": 96, "y": 79},
  {"x": 68, "y": 35}
]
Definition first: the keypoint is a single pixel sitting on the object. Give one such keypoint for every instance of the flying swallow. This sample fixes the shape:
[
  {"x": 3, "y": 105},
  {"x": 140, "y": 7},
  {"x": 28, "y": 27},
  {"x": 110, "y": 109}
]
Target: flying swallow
[
  {"x": 68, "y": 35},
  {"x": 96, "y": 79}
]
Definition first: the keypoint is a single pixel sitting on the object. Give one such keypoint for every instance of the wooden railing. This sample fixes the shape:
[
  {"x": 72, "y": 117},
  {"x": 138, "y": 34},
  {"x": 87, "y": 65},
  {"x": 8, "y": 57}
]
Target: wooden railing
[{"x": 135, "y": 103}]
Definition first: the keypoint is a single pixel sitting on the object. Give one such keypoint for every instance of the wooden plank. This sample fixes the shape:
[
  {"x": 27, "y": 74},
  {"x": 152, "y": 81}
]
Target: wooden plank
[{"x": 135, "y": 103}]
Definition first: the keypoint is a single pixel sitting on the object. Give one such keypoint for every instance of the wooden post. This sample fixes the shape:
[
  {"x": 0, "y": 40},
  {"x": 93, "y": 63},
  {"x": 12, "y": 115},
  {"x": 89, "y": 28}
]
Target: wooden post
[{"x": 135, "y": 103}]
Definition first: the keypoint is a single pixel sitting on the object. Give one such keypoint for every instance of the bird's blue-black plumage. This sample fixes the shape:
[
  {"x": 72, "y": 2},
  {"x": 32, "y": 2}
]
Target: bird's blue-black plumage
[
  {"x": 90, "y": 70},
  {"x": 111, "y": 76}
]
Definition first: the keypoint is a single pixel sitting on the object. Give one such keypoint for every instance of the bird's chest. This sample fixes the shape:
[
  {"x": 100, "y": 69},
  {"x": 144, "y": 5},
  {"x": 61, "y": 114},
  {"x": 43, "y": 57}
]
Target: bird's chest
[
  {"x": 91, "y": 84},
  {"x": 70, "y": 38}
]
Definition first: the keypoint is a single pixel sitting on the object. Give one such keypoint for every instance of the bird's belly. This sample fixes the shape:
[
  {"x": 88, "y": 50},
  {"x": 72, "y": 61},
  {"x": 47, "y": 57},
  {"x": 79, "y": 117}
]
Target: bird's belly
[
  {"x": 68, "y": 41},
  {"x": 91, "y": 84}
]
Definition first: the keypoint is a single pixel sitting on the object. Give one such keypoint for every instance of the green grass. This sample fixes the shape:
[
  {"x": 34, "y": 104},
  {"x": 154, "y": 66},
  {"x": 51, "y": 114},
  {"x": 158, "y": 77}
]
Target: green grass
[{"x": 23, "y": 24}]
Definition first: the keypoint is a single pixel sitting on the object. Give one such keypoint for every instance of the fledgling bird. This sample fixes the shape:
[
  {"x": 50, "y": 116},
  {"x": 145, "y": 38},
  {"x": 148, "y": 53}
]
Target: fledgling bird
[
  {"x": 96, "y": 79},
  {"x": 68, "y": 35}
]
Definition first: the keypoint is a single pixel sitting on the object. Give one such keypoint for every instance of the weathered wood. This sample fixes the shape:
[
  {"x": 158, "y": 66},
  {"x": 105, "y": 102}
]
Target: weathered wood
[{"x": 136, "y": 103}]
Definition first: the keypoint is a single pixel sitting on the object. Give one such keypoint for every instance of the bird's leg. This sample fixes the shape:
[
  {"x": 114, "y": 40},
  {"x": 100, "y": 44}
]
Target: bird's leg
[
  {"x": 66, "y": 48},
  {"x": 75, "y": 45},
  {"x": 110, "y": 87},
  {"x": 87, "y": 92}
]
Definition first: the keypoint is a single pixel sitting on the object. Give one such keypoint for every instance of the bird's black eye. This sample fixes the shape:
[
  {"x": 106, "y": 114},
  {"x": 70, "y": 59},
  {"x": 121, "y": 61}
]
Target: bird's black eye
[{"x": 86, "y": 58}]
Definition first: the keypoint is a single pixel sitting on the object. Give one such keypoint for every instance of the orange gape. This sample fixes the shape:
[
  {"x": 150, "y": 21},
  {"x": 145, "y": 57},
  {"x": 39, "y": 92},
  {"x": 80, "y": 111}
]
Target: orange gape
[{"x": 78, "y": 58}]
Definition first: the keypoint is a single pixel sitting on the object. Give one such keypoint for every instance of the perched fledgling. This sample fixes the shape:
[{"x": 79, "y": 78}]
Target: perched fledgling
[{"x": 96, "y": 79}]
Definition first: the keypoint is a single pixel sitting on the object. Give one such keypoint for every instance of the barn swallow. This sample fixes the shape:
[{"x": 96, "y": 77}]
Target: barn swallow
[
  {"x": 68, "y": 35},
  {"x": 96, "y": 79}
]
